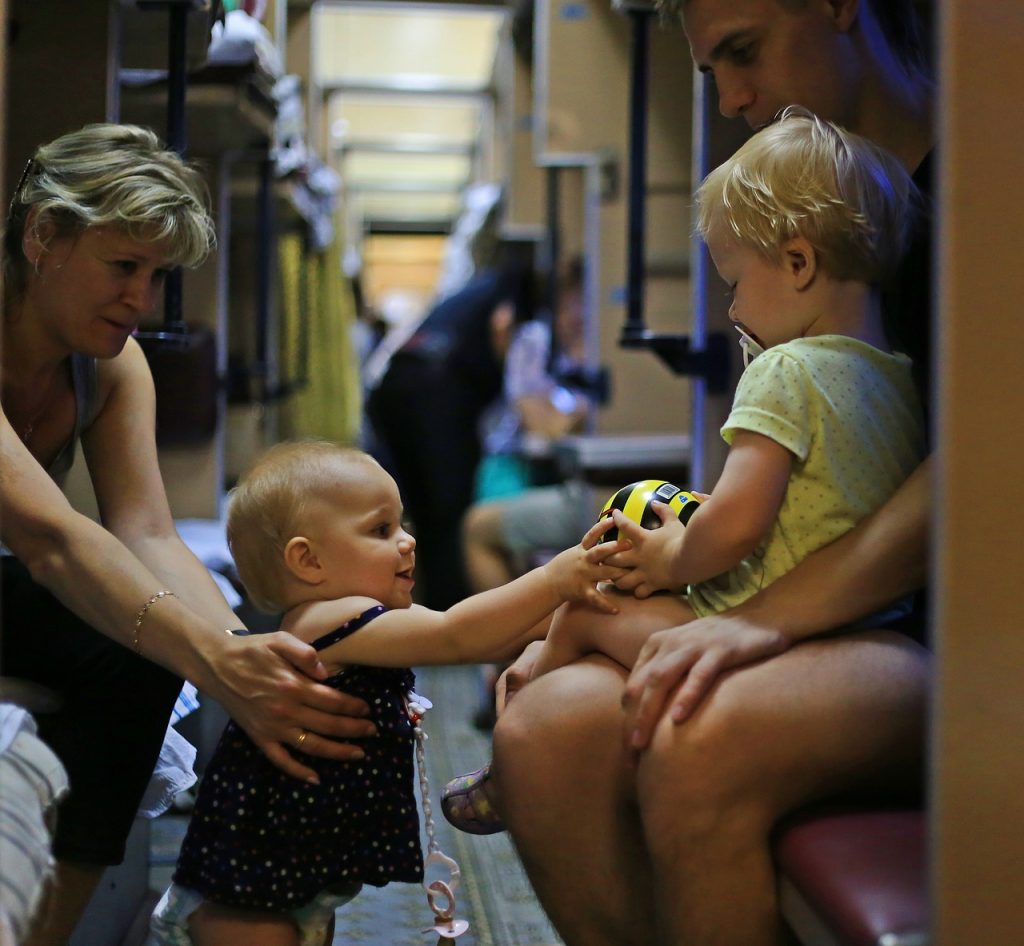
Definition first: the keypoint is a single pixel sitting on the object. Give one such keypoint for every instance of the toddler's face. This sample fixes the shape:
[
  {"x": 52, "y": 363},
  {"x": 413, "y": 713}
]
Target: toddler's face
[
  {"x": 763, "y": 298},
  {"x": 359, "y": 535}
]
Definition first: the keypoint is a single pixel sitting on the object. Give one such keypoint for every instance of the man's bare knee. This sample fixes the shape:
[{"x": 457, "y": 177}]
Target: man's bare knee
[
  {"x": 558, "y": 715},
  {"x": 687, "y": 779}
]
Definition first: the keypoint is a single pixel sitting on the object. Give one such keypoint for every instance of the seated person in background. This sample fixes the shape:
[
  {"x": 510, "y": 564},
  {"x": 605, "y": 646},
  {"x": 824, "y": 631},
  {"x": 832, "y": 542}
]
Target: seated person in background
[
  {"x": 425, "y": 415},
  {"x": 545, "y": 399},
  {"x": 316, "y": 531},
  {"x": 804, "y": 223},
  {"x": 520, "y": 506}
]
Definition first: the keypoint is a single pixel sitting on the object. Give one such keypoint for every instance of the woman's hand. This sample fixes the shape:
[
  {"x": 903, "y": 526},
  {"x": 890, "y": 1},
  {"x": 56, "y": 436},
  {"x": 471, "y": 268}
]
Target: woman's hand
[
  {"x": 691, "y": 657},
  {"x": 266, "y": 683}
]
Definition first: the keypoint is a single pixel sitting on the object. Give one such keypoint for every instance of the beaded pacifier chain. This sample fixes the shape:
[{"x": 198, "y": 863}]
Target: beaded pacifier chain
[{"x": 445, "y": 924}]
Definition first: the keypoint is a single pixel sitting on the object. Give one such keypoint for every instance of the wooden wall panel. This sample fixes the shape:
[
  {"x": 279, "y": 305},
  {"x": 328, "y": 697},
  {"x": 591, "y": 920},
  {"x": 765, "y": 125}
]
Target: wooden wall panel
[
  {"x": 59, "y": 73},
  {"x": 978, "y": 745}
]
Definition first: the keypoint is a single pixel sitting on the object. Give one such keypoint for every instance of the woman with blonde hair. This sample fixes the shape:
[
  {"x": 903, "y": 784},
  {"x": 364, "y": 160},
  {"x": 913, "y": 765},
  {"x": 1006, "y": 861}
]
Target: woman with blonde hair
[{"x": 112, "y": 615}]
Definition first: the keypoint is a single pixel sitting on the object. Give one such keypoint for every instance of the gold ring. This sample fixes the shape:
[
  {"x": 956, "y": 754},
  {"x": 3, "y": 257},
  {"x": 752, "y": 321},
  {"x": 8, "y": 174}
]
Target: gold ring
[{"x": 301, "y": 739}]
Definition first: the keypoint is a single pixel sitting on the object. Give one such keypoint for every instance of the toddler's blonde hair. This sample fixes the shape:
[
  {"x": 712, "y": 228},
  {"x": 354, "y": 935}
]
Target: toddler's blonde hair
[{"x": 802, "y": 176}]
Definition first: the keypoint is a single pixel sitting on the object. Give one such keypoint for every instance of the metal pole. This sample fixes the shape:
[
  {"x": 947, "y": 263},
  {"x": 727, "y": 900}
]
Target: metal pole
[
  {"x": 177, "y": 56},
  {"x": 637, "y": 174},
  {"x": 553, "y": 249},
  {"x": 264, "y": 255}
]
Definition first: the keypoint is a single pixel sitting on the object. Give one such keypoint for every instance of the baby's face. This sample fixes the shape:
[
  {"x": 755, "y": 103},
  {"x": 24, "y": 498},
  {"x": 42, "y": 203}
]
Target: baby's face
[{"x": 358, "y": 533}]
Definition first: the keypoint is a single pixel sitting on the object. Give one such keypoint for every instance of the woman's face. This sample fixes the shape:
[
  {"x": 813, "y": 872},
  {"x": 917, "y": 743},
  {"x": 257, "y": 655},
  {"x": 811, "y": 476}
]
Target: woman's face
[
  {"x": 569, "y": 322},
  {"x": 91, "y": 290}
]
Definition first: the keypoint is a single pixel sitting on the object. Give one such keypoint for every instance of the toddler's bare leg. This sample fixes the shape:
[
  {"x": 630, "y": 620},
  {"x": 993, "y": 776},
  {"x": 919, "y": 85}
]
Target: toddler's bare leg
[{"x": 577, "y": 630}]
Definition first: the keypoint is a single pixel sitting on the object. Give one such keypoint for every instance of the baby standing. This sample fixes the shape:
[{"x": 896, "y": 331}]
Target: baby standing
[{"x": 316, "y": 531}]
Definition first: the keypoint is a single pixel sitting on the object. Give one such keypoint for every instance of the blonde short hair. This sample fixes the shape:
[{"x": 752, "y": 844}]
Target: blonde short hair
[
  {"x": 269, "y": 507},
  {"x": 111, "y": 175},
  {"x": 802, "y": 176}
]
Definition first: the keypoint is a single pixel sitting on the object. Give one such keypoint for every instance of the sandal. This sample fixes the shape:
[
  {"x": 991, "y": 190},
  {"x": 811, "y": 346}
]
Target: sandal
[{"x": 467, "y": 805}]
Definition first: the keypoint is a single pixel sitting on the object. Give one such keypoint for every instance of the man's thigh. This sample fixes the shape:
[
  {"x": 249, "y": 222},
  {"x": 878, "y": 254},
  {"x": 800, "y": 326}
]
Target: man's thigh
[{"x": 832, "y": 717}]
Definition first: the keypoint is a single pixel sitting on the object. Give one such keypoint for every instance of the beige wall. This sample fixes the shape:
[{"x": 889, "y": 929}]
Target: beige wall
[
  {"x": 405, "y": 264},
  {"x": 581, "y": 114},
  {"x": 978, "y": 812},
  {"x": 525, "y": 179}
]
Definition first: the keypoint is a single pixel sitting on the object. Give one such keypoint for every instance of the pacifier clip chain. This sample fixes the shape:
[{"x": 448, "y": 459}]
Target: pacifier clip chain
[{"x": 445, "y": 924}]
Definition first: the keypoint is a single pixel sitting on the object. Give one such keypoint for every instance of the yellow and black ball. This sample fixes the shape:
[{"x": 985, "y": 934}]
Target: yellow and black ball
[{"x": 634, "y": 501}]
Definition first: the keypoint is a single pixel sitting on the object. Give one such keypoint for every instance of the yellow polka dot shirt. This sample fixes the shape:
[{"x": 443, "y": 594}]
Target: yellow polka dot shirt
[{"x": 851, "y": 417}]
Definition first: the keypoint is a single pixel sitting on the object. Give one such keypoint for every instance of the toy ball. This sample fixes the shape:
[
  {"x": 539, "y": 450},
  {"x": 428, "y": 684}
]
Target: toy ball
[{"x": 634, "y": 501}]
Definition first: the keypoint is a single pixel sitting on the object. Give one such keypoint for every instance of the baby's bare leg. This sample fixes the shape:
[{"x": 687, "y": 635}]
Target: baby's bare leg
[
  {"x": 214, "y": 925},
  {"x": 577, "y": 630}
]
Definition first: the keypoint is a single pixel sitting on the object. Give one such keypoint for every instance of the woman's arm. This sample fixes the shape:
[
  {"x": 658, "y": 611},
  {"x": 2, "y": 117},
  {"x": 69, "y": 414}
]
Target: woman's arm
[
  {"x": 265, "y": 682},
  {"x": 545, "y": 409},
  {"x": 883, "y": 558},
  {"x": 725, "y": 528},
  {"x": 120, "y": 450},
  {"x": 481, "y": 628}
]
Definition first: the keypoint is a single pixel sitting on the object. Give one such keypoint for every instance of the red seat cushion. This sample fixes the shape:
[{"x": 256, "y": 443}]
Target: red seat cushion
[{"x": 862, "y": 873}]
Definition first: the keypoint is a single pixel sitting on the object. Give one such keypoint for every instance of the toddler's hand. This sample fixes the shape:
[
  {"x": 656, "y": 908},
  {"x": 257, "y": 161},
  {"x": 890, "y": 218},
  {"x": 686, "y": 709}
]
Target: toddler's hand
[
  {"x": 648, "y": 563},
  {"x": 576, "y": 571}
]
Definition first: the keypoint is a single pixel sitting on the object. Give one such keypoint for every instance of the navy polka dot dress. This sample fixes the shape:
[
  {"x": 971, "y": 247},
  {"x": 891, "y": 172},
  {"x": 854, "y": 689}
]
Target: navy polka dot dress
[{"x": 261, "y": 839}]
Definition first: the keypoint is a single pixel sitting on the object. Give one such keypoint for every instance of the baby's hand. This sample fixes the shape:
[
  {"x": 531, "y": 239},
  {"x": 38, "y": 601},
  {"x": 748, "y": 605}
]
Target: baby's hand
[{"x": 575, "y": 572}]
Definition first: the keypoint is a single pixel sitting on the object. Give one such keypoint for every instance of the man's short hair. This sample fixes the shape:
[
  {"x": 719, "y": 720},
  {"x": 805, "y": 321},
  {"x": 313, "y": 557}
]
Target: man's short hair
[{"x": 898, "y": 20}]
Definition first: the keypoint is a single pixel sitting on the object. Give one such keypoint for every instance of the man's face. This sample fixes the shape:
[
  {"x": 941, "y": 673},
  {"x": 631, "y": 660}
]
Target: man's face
[{"x": 766, "y": 54}]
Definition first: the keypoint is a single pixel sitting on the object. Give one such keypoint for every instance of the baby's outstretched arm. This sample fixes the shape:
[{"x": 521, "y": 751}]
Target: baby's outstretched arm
[{"x": 478, "y": 629}]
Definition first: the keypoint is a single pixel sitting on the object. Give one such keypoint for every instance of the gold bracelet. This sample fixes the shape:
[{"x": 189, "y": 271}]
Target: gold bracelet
[{"x": 142, "y": 613}]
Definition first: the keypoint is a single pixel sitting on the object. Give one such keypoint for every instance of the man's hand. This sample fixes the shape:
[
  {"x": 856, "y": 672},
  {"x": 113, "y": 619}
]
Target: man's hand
[
  {"x": 266, "y": 682},
  {"x": 691, "y": 657}
]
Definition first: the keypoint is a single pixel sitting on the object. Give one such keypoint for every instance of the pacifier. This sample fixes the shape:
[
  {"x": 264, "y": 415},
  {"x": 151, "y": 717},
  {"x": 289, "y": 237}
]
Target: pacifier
[{"x": 749, "y": 345}]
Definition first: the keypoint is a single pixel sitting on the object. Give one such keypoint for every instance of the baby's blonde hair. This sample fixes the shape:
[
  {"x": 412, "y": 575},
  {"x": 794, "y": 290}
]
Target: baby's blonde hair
[
  {"x": 802, "y": 176},
  {"x": 269, "y": 507}
]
